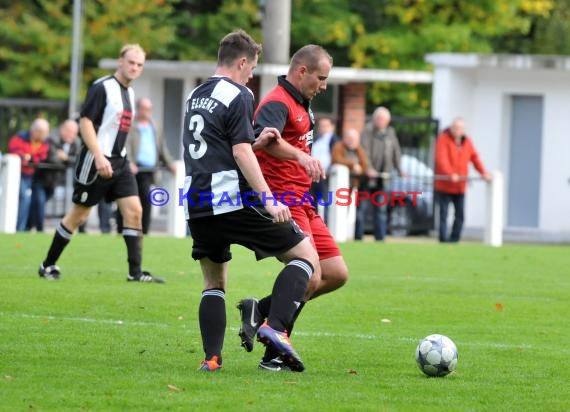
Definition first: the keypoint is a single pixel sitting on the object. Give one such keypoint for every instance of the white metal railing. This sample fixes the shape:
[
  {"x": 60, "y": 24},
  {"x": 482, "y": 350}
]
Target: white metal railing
[
  {"x": 341, "y": 218},
  {"x": 9, "y": 192},
  {"x": 176, "y": 223}
]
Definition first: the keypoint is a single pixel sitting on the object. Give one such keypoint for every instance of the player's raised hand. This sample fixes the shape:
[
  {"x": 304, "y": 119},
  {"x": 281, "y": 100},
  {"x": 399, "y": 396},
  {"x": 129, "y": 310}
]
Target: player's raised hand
[
  {"x": 103, "y": 167},
  {"x": 279, "y": 212},
  {"x": 313, "y": 167}
]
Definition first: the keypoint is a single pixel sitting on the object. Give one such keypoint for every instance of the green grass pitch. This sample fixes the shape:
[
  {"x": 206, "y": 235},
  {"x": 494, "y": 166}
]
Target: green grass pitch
[{"x": 94, "y": 342}]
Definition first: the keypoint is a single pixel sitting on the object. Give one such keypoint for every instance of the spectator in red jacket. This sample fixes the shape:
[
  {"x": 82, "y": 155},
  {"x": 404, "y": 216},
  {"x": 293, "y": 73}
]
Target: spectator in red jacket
[
  {"x": 453, "y": 152},
  {"x": 32, "y": 147}
]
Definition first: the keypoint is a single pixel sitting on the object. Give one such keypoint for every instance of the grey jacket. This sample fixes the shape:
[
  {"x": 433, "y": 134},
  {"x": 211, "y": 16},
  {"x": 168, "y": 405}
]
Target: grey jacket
[
  {"x": 382, "y": 148},
  {"x": 133, "y": 143}
]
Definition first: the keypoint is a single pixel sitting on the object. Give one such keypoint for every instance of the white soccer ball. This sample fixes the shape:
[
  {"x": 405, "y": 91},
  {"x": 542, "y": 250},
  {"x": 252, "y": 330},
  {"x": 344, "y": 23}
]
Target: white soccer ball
[{"x": 436, "y": 355}]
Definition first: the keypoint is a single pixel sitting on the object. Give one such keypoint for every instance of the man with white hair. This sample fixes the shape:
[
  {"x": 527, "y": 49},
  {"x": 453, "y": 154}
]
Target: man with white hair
[
  {"x": 454, "y": 150},
  {"x": 32, "y": 147},
  {"x": 381, "y": 144},
  {"x": 63, "y": 149}
]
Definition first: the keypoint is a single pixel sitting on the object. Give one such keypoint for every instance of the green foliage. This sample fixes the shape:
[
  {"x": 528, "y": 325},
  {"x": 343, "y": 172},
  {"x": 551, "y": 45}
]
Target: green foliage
[
  {"x": 35, "y": 51},
  {"x": 94, "y": 342},
  {"x": 548, "y": 33},
  {"x": 35, "y": 36},
  {"x": 413, "y": 28},
  {"x": 200, "y": 25},
  {"x": 552, "y": 33},
  {"x": 329, "y": 23}
]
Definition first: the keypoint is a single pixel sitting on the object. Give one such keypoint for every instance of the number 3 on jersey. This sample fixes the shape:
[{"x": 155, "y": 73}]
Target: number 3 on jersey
[{"x": 198, "y": 149}]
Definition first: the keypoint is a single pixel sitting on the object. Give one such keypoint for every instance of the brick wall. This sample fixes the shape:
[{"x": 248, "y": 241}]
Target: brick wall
[{"x": 352, "y": 108}]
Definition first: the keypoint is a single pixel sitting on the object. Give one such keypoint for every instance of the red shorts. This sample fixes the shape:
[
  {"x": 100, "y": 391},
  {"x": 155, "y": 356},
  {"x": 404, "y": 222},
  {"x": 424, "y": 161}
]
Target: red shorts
[{"x": 314, "y": 227}]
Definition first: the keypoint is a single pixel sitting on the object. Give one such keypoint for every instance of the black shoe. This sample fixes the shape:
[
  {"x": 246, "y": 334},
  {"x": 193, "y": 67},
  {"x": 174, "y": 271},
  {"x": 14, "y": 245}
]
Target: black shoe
[
  {"x": 251, "y": 320},
  {"x": 145, "y": 277},
  {"x": 274, "y": 365},
  {"x": 50, "y": 273}
]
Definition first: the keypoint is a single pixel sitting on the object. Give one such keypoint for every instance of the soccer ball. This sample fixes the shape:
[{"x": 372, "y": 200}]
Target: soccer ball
[{"x": 436, "y": 355}]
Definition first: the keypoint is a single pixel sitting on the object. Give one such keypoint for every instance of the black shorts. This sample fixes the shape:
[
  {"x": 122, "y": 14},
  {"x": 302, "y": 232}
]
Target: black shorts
[
  {"x": 121, "y": 184},
  {"x": 251, "y": 227}
]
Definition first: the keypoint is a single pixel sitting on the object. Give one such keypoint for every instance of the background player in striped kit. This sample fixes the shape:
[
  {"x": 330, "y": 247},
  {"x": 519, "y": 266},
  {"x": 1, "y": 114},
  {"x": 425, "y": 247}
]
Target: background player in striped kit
[{"x": 102, "y": 170}]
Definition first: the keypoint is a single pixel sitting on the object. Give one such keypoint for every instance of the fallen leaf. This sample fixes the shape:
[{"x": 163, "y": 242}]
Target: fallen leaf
[
  {"x": 352, "y": 372},
  {"x": 173, "y": 388},
  {"x": 498, "y": 307},
  {"x": 386, "y": 321},
  {"x": 8, "y": 377}
]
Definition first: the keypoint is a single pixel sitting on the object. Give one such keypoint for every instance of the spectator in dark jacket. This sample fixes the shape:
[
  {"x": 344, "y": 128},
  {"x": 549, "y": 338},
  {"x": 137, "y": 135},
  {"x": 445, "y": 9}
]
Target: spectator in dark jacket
[
  {"x": 382, "y": 147},
  {"x": 350, "y": 153},
  {"x": 32, "y": 147},
  {"x": 63, "y": 150}
]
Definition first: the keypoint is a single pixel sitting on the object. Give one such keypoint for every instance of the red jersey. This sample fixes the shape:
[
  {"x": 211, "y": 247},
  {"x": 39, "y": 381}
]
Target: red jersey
[
  {"x": 289, "y": 112},
  {"x": 30, "y": 153}
]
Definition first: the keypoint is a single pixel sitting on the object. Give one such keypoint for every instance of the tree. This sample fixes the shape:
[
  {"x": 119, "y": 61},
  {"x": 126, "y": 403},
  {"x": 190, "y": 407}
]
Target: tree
[
  {"x": 35, "y": 46},
  {"x": 412, "y": 28},
  {"x": 35, "y": 36},
  {"x": 199, "y": 25},
  {"x": 332, "y": 24},
  {"x": 548, "y": 33}
]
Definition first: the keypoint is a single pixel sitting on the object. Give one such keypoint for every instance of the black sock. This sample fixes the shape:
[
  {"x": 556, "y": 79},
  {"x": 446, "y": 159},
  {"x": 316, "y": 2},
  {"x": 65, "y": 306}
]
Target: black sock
[
  {"x": 60, "y": 240},
  {"x": 295, "y": 316},
  {"x": 212, "y": 316},
  {"x": 271, "y": 353},
  {"x": 264, "y": 305},
  {"x": 288, "y": 291},
  {"x": 133, "y": 240}
]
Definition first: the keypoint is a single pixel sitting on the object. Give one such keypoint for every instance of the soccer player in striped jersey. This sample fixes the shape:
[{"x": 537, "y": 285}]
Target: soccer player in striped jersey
[
  {"x": 228, "y": 202},
  {"x": 102, "y": 169}
]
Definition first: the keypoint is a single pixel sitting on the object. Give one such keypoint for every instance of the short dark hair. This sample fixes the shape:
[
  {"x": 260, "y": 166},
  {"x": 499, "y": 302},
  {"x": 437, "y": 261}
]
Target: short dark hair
[
  {"x": 310, "y": 56},
  {"x": 235, "y": 45}
]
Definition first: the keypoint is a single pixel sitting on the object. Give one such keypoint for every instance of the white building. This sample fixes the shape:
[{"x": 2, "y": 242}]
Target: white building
[
  {"x": 514, "y": 107},
  {"x": 517, "y": 110},
  {"x": 168, "y": 83}
]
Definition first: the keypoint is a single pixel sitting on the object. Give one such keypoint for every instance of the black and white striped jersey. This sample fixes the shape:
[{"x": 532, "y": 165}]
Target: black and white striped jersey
[
  {"x": 218, "y": 114},
  {"x": 111, "y": 108}
]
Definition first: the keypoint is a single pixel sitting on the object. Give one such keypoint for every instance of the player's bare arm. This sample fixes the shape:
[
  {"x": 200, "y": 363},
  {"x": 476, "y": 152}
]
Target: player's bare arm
[
  {"x": 89, "y": 137},
  {"x": 285, "y": 151},
  {"x": 247, "y": 162},
  {"x": 266, "y": 137}
]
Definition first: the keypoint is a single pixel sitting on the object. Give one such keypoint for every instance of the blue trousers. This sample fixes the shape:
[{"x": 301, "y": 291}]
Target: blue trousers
[
  {"x": 379, "y": 216},
  {"x": 458, "y": 200},
  {"x": 37, "y": 211},
  {"x": 24, "y": 202}
]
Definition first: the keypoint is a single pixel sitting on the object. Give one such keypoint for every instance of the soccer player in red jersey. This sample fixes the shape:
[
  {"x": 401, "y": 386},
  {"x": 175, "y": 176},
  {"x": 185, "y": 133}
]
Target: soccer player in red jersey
[{"x": 289, "y": 170}]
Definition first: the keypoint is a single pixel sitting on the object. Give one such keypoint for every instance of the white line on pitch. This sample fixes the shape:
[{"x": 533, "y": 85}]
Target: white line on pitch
[
  {"x": 88, "y": 320},
  {"x": 298, "y": 333}
]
